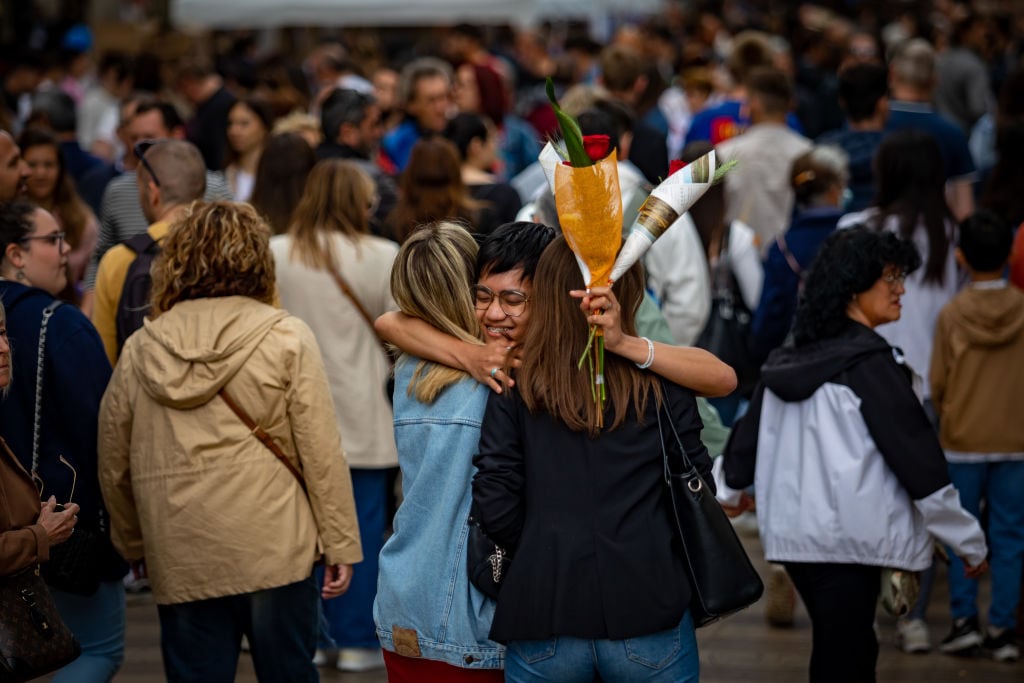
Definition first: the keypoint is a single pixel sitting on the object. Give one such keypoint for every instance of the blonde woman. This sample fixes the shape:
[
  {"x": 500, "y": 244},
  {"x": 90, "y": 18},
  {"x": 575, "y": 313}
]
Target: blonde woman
[
  {"x": 329, "y": 250},
  {"x": 229, "y": 535}
]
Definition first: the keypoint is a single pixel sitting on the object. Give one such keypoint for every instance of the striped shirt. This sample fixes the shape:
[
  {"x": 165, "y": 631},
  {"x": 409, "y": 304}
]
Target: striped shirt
[{"x": 121, "y": 214}]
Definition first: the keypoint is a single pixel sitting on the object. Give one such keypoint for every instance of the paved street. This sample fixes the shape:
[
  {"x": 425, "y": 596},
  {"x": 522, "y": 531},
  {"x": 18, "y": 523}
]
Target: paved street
[{"x": 741, "y": 648}]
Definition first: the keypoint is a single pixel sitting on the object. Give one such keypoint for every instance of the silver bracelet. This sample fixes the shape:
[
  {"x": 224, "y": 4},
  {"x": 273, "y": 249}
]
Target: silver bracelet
[{"x": 650, "y": 355}]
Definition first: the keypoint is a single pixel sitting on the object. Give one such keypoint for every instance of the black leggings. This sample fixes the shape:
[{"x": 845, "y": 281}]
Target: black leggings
[{"x": 840, "y": 599}]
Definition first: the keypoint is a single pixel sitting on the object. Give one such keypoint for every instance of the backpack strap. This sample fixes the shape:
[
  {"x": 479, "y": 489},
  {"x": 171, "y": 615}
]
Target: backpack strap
[{"x": 140, "y": 243}]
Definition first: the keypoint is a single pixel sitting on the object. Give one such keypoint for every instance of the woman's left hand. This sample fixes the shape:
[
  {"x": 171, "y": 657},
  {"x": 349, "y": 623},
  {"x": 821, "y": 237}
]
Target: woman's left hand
[{"x": 603, "y": 309}]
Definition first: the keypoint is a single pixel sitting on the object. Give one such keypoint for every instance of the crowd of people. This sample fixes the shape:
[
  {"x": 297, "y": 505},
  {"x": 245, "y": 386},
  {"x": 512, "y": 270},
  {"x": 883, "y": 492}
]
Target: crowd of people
[{"x": 272, "y": 330}]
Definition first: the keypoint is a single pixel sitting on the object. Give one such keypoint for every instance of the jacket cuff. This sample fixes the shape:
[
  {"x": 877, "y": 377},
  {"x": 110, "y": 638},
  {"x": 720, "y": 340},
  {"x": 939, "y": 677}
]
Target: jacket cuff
[
  {"x": 42, "y": 542},
  {"x": 947, "y": 521},
  {"x": 347, "y": 555}
]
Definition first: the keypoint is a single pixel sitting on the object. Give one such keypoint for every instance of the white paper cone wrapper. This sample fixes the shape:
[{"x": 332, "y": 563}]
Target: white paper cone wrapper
[
  {"x": 669, "y": 200},
  {"x": 549, "y": 160}
]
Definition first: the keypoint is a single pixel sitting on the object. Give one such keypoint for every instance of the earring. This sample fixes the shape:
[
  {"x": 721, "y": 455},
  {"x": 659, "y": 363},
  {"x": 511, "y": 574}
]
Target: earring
[{"x": 20, "y": 275}]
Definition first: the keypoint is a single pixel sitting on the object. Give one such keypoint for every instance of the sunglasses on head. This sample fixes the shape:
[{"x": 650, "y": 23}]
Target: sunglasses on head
[{"x": 140, "y": 150}]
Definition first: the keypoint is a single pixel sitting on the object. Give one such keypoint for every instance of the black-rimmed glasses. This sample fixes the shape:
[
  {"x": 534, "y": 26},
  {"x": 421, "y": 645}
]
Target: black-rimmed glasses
[
  {"x": 53, "y": 239},
  {"x": 511, "y": 301},
  {"x": 140, "y": 149}
]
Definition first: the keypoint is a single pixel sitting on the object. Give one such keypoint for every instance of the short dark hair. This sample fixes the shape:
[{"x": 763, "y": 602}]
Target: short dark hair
[
  {"x": 861, "y": 86},
  {"x": 594, "y": 121},
  {"x": 985, "y": 241},
  {"x": 168, "y": 112},
  {"x": 773, "y": 87},
  {"x": 343, "y": 105},
  {"x": 463, "y": 129},
  {"x": 57, "y": 108},
  {"x": 849, "y": 262},
  {"x": 512, "y": 246}
]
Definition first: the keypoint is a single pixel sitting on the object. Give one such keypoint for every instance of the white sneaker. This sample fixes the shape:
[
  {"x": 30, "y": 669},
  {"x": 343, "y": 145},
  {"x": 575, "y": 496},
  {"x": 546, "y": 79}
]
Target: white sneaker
[
  {"x": 319, "y": 658},
  {"x": 354, "y": 659},
  {"x": 912, "y": 636}
]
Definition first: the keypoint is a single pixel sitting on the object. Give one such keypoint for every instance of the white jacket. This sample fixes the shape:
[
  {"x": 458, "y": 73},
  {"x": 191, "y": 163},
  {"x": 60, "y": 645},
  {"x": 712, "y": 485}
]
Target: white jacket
[{"x": 848, "y": 468}]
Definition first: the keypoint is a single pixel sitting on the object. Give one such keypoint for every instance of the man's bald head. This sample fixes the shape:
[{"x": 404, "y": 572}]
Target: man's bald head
[
  {"x": 13, "y": 169},
  {"x": 176, "y": 169}
]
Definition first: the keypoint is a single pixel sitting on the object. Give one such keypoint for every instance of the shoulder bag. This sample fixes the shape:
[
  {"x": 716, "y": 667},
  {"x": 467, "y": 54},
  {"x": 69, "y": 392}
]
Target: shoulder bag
[
  {"x": 722, "y": 578},
  {"x": 33, "y": 639},
  {"x": 76, "y": 564},
  {"x": 486, "y": 561}
]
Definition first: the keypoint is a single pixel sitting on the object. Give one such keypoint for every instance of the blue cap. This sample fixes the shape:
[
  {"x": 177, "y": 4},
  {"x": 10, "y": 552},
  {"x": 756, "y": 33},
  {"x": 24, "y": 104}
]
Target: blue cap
[{"x": 78, "y": 38}]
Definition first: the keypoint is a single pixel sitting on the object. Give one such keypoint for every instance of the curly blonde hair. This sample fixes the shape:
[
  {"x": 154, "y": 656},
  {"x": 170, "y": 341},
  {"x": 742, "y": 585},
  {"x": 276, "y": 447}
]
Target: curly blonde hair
[{"x": 216, "y": 249}]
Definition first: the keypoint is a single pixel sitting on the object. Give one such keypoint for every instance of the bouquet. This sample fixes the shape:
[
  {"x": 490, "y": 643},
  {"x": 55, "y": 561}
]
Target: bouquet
[{"x": 583, "y": 174}]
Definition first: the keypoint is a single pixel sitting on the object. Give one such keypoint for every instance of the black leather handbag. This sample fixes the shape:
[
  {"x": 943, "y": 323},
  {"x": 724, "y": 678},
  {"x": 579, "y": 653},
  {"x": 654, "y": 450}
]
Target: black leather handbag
[
  {"x": 722, "y": 578},
  {"x": 33, "y": 639},
  {"x": 486, "y": 561}
]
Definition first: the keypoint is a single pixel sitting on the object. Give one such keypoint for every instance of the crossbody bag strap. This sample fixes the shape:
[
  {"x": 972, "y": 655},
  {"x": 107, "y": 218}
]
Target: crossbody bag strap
[
  {"x": 262, "y": 435},
  {"x": 347, "y": 291},
  {"x": 37, "y": 412},
  {"x": 791, "y": 261}
]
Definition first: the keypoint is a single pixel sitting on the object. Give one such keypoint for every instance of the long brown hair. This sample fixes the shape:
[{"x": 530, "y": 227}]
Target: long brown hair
[
  {"x": 557, "y": 335},
  {"x": 708, "y": 213},
  {"x": 66, "y": 204},
  {"x": 338, "y": 198},
  {"x": 431, "y": 188},
  {"x": 281, "y": 177}
]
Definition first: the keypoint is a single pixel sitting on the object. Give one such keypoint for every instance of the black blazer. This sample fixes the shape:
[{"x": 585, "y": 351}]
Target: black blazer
[{"x": 588, "y": 520}]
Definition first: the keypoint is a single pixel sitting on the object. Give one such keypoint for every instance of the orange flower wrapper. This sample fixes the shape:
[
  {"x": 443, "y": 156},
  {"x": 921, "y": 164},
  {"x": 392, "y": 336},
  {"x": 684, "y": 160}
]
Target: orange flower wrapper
[{"x": 589, "y": 207}]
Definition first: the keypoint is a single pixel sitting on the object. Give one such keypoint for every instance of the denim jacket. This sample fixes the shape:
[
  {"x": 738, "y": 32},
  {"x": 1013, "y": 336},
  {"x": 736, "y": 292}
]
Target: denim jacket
[{"x": 425, "y": 605}]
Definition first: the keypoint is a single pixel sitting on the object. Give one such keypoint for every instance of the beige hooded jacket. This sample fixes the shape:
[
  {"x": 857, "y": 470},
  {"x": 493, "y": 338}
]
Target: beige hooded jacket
[{"x": 189, "y": 487}]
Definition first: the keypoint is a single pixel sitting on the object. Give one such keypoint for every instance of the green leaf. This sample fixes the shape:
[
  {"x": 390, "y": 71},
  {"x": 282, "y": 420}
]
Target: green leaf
[{"x": 571, "y": 132}]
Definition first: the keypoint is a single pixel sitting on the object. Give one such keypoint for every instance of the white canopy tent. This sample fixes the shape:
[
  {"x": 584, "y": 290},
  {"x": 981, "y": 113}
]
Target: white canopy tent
[{"x": 274, "y": 13}]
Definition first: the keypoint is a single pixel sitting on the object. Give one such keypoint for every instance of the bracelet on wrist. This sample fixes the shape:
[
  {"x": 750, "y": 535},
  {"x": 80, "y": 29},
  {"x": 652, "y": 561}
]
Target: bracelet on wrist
[{"x": 650, "y": 355}]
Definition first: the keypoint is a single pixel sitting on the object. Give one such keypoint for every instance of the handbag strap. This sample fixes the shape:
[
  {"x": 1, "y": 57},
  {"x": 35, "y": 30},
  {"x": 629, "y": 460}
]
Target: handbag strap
[
  {"x": 38, "y": 409},
  {"x": 688, "y": 465},
  {"x": 347, "y": 291},
  {"x": 791, "y": 261},
  {"x": 262, "y": 435}
]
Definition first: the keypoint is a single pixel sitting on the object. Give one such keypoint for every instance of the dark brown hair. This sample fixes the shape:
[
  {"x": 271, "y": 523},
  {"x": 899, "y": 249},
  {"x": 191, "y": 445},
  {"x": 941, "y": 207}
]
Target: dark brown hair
[
  {"x": 431, "y": 188},
  {"x": 281, "y": 176},
  {"x": 67, "y": 205},
  {"x": 556, "y": 338}
]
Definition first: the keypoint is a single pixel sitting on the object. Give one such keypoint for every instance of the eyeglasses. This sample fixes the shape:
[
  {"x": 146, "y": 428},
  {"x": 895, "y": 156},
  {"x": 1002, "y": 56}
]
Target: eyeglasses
[
  {"x": 893, "y": 278},
  {"x": 140, "y": 149},
  {"x": 74, "y": 480},
  {"x": 53, "y": 239},
  {"x": 511, "y": 301}
]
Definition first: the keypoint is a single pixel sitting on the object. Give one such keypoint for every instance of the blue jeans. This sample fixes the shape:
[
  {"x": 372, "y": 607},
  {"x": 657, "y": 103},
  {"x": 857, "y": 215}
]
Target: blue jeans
[
  {"x": 669, "y": 656},
  {"x": 98, "y": 623},
  {"x": 201, "y": 640},
  {"x": 1001, "y": 484},
  {"x": 349, "y": 618}
]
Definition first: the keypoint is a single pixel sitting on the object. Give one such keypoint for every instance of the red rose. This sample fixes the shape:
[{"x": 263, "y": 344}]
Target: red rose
[
  {"x": 675, "y": 165},
  {"x": 596, "y": 146}
]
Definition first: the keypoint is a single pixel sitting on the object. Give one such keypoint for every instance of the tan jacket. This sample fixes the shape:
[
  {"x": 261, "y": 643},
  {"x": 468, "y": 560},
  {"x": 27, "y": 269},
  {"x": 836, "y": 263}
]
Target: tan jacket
[
  {"x": 23, "y": 542},
  {"x": 187, "y": 485},
  {"x": 977, "y": 373}
]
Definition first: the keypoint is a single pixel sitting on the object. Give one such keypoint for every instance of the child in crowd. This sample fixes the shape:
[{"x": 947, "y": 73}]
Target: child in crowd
[{"x": 977, "y": 382}]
